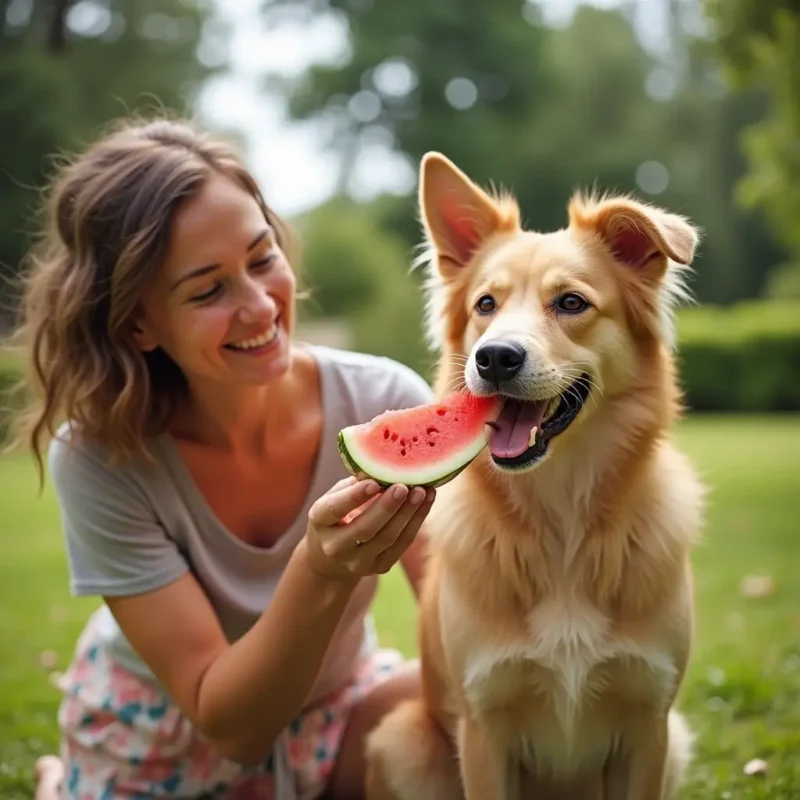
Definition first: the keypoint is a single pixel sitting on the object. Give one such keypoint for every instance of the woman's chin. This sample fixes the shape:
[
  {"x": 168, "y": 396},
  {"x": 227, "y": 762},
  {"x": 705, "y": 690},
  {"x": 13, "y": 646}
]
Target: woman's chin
[{"x": 261, "y": 374}]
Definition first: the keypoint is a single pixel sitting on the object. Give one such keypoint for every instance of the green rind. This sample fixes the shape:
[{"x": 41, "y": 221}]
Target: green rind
[{"x": 354, "y": 469}]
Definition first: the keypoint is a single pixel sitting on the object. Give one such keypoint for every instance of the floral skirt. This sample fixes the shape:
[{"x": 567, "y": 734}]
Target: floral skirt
[{"x": 124, "y": 738}]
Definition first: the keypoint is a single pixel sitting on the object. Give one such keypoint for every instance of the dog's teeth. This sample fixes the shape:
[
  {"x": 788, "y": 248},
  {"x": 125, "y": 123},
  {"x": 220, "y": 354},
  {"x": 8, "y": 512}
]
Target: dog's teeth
[
  {"x": 532, "y": 437},
  {"x": 552, "y": 407}
]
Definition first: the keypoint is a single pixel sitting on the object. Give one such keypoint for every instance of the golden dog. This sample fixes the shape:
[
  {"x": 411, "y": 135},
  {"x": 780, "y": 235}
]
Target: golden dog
[{"x": 556, "y": 616}]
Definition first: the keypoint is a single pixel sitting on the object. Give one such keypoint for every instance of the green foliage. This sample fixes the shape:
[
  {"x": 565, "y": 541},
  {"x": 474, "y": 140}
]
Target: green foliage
[
  {"x": 10, "y": 393},
  {"x": 62, "y": 77},
  {"x": 488, "y": 46},
  {"x": 392, "y": 325},
  {"x": 554, "y": 110},
  {"x": 760, "y": 43},
  {"x": 357, "y": 268},
  {"x": 784, "y": 282},
  {"x": 344, "y": 255},
  {"x": 741, "y": 358}
]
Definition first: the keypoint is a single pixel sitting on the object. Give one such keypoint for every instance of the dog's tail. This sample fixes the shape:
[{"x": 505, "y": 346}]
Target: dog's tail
[
  {"x": 681, "y": 743},
  {"x": 409, "y": 758}
]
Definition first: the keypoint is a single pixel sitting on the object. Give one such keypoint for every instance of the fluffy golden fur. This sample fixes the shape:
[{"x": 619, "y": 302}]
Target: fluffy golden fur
[{"x": 556, "y": 616}]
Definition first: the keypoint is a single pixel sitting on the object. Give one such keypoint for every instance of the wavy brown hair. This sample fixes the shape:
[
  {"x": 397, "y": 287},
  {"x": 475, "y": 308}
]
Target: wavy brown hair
[{"x": 107, "y": 229}]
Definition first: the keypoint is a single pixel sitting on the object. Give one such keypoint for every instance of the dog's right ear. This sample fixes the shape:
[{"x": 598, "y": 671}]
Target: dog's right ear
[{"x": 458, "y": 215}]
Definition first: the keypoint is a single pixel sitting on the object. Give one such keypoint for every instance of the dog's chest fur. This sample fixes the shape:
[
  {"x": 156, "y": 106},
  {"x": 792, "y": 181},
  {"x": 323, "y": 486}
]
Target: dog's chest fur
[{"x": 552, "y": 693}]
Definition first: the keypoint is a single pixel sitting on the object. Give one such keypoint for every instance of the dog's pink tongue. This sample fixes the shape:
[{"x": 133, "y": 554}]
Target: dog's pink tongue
[{"x": 510, "y": 433}]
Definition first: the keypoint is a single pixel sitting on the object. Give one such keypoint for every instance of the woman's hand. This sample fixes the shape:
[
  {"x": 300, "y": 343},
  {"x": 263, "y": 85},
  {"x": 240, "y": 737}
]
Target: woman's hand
[{"x": 355, "y": 529}]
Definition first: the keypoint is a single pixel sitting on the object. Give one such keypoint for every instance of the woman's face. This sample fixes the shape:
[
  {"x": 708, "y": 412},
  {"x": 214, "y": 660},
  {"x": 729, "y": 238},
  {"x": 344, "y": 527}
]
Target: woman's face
[{"x": 222, "y": 307}]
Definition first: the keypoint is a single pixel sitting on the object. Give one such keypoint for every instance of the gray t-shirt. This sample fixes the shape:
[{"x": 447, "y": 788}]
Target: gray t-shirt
[{"x": 139, "y": 526}]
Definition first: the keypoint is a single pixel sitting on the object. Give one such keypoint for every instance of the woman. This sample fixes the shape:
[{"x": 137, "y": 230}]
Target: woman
[{"x": 200, "y": 487}]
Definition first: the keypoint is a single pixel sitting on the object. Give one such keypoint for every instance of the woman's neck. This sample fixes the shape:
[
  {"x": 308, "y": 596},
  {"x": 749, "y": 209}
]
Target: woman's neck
[{"x": 245, "y": 419}]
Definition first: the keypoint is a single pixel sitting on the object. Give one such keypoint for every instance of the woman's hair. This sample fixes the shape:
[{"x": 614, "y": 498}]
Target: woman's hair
[{"x": 107, "y": 229}]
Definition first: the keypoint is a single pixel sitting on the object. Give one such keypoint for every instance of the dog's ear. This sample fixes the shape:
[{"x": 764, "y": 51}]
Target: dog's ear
[
  {"x": 637, "y": 235},
  {"x": 458, "y": 215}
]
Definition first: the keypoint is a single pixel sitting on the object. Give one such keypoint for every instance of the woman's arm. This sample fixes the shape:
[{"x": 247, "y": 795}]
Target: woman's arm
[{"x": 241, "y": 696}]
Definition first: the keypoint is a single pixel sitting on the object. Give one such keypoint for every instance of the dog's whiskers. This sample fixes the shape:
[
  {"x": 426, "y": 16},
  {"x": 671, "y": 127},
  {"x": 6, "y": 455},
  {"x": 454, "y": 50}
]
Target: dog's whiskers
[
  {"x": 456, "y": 358},
  {"x": 573, "y": 375},
  {"x": 568, "y": 389},
  {"x": 456, "y": 384},
  {"x": 566, "y": 381}
]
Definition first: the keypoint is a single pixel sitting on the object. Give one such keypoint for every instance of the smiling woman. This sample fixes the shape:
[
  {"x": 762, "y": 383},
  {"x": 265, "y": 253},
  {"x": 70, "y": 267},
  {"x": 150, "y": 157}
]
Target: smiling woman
[
  {"x": 120, "y": 231},
  {"x": 193, "y": 451},
  {"x": 241, "y": 303}
]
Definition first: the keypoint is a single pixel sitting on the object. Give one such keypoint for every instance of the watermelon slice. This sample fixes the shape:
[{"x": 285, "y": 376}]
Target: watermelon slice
[{"x": 426, "y": 445}]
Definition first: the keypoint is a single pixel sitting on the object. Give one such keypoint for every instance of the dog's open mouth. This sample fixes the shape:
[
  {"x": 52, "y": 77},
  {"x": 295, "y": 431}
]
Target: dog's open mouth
[{"x": 521, "y": 434}]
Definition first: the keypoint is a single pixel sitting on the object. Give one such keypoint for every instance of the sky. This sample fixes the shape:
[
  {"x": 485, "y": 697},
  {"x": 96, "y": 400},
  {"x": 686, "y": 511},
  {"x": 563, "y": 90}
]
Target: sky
[{"x": 289, "y": 158}]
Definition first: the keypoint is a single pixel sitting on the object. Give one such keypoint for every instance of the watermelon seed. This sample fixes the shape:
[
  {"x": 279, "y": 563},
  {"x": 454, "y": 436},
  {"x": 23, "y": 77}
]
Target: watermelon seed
[
  {"x": 385, "y": 433},
  {"x": 441, "y": 411},
  {"x": 403, "y": 442},
  {"x": 430, "y": 429},
  {"x": 432, "y": 444},
  {"x": 403, "y": 452},
  {"x": 394, "y": 437},
  {"x": 415, "y": 438}
]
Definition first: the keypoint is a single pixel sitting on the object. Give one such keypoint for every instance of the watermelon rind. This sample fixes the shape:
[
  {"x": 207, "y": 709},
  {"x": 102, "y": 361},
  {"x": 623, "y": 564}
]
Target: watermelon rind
[{"x": 431, "y": 476}]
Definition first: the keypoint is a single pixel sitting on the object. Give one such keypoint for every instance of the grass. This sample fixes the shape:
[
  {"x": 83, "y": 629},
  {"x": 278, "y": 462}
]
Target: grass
[{"x": 742, "y": 695}]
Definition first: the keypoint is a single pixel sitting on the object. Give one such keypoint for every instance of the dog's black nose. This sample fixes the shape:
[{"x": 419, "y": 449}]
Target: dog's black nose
[{"x": 499, "y": 361}]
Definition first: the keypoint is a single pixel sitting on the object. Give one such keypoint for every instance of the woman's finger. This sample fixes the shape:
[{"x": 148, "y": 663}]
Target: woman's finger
[
  {"x": 334, "y": 505},
  {"x": 368, "y": 524},
  {"x": 393, "y": 554},
  {"x": 380, "y": 529},
  {"x": 358, "y": 511},
  {"x": 350, "y": 480}
]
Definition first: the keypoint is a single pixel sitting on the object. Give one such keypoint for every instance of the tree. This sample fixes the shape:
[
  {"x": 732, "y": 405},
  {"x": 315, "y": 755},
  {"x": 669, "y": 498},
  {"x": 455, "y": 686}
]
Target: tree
[
  {"x": 67, "y": 67},
  {"x": 760, "y": 43},
  {"x": 357, "y": 270},
  {"x": 455, "y": 75},
  {"x": 544, "y": 111}
]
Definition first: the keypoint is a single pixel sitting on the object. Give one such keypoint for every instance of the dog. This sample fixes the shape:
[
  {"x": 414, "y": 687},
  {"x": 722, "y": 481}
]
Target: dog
[{"x": 556, "y": 612}]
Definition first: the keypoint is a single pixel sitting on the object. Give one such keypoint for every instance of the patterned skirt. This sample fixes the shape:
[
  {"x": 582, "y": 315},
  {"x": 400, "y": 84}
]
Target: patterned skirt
[{"x": 124, "y": 738}]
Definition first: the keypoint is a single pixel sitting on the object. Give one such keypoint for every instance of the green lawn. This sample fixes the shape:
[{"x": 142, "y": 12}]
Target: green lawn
[{"x": 743, "y": 691}]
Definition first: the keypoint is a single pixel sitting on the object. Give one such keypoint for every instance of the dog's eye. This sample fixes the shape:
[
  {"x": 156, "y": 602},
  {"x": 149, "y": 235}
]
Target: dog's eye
[
  {"x": 486, "y": 304},
  {"x": 571, "y": 303}
]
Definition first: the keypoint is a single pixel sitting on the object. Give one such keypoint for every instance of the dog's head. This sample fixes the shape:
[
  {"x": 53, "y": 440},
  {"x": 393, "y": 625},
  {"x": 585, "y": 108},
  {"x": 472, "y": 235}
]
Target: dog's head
[{"x": 546, "y": 321}]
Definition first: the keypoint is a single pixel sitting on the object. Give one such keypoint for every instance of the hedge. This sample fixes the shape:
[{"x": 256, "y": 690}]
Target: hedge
[{"x": 742, "y": 358}]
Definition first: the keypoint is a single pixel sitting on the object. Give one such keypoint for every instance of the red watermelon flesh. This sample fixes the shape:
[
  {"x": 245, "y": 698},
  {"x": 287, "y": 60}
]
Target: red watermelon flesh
[{"x": 426, "y": 445}]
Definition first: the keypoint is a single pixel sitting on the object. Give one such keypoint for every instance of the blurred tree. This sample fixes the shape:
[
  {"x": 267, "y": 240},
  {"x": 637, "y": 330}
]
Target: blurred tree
[
  {"x": 66, "y": 67},
  {"x": 760, "y": 43},
  {"x": 696, "y": 136},
  {"x": 450, "y": 75},
  {"x": 343, "y": 254},
  {"x": 544, "y": 111},
  {"x": 354, "y": 268}
]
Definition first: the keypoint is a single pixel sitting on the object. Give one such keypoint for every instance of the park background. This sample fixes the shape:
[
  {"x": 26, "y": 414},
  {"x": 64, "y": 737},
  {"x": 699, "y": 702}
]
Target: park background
[{"x": 690, "y": 104}]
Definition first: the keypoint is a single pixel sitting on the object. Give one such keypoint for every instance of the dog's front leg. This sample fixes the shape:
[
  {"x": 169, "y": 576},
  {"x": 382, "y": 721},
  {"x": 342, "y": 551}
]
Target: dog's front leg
[
  {"x": 484, "y": 768},
  {"x": 637, "y": 769}
]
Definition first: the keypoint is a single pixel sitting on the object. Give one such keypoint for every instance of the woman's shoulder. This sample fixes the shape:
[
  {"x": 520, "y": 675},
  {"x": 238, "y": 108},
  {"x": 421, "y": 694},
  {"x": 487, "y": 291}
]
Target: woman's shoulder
[
  {"x": 77, "y": 461},
  {"x": 116, "y": 541},
  {"x": 70, "y": 449}
]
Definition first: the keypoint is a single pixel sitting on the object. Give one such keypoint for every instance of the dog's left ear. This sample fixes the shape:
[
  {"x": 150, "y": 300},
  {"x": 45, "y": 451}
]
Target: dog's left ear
[
  {"x": 458, "y": 215},
  {"x": 637, "y": 235}
]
